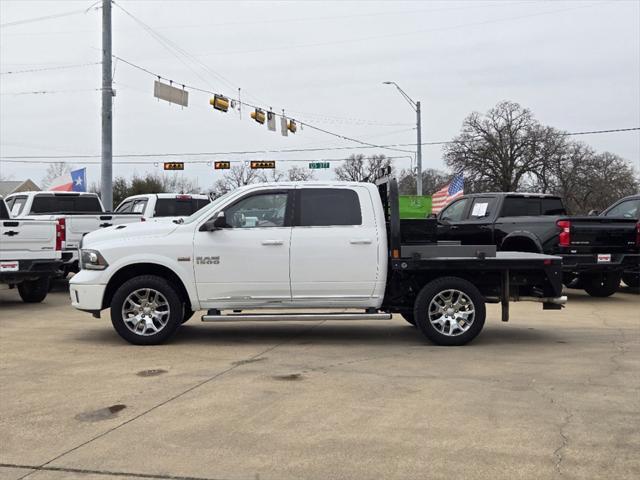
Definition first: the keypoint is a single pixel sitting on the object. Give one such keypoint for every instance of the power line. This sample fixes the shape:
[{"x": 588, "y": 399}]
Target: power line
[
  {"x": 45, "y": 92},
  {"x": 46, "y": 17},
  {"x": 304, "y": 124},
  {"x": 287, "y": 150},
  {"x": 61, "y": 67}
]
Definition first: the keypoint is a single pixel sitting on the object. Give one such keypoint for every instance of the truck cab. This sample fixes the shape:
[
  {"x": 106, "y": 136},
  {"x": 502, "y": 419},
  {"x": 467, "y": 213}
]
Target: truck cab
[{"x": 163, "y": 206}]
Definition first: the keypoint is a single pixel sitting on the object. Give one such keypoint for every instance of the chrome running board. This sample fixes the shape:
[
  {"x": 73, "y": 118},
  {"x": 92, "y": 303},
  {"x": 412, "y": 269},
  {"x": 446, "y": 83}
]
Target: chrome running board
[{"x": 294, "y": 317}]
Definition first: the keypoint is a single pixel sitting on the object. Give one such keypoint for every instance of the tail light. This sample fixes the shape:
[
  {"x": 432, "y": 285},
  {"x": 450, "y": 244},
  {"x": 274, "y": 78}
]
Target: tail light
[
  {"x": 183, "y": 197},
  {"x": 565, "y": 233},
  {"x": 61, "y": 233}
]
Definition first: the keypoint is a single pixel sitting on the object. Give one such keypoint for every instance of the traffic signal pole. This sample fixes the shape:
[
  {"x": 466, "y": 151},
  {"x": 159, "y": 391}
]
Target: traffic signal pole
[
  {"x": 106, "y": 166},
  {"x": 419, "y": 151}
]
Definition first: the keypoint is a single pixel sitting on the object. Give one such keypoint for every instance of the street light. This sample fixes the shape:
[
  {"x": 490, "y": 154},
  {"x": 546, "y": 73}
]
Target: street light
[{"x": 416, "y": 108}]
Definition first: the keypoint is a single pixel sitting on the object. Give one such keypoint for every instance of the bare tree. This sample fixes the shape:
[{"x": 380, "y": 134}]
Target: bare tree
[
  {"x": 179, "y": 184},
  {"x": 357, "y": 168},
  {"x": 55, "y": 170},
  {"x": 235, "y": 177},
  {"x": 502, "y": 149},
  {"x": 300, "y": 174},
  {"x": 432, "y": 181},
  {"x": 271, "y": 176}
]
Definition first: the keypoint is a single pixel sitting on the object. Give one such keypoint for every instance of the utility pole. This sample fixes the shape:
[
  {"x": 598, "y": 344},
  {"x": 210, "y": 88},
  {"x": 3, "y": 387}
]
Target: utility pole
[
  {"x": 416, "y": 107},
  {"x": 106, "y": 167},
  {"x": 419, "y": 152}
]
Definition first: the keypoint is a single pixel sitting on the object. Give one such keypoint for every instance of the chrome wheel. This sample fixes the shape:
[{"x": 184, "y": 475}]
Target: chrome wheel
[
  {"x": 145, "y": 311},
  {"x": 451, "y": 312}
]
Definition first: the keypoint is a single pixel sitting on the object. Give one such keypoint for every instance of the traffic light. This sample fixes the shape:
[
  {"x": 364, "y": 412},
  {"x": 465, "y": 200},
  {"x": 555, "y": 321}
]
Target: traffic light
[
  {"x": 222, "y": 165},
  {"x": 257, "y": 164},
  {"x": 292, "y": 126},
  {"x": 174, "y": 165},
  {"x": 259, "y": 116},
  {"x": 220, "y": 102}
]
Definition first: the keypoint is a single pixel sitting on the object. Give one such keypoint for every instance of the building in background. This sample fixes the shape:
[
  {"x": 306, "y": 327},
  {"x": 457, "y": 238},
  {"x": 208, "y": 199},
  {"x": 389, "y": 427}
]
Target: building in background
[{"x": 7, "y": 187}]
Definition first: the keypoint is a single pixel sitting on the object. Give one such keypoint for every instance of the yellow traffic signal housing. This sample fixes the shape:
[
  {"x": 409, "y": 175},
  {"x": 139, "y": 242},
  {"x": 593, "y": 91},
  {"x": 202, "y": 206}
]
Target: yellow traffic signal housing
[
  {"x": 220, "y": 102},
  {"x": 259, "y": 116},
  {"x": 292, "y": 126},
  {"x": 174, "y": 165},
  {"x": 222, "y": 165},
  {"x": 257, "y": 164}
]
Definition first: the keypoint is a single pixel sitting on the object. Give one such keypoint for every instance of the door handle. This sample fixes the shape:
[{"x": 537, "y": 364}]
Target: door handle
[
  {"x": 360, "y": 241},
  {"x": 272, "y": 242},
  {"x": 453, "y": 227}
]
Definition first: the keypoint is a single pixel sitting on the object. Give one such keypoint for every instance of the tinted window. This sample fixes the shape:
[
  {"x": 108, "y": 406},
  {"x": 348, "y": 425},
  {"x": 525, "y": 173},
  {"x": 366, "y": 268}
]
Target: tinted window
[
  {"x": 521, "y": 207},
  {"x": 16, "y": 204},
  {"x": 201, "y": 202},
  {"x": 260, "y": 210},
  {"x": 177, "y": 207},
  {"x": 65, "y": 203},
  {"x": 321, "y": 207},
  {"x": 454, "y": 212},
  {"x": 124, "y": 207},
  {"x": 482, "y": 207},
  {"x": 553, "y": 206},
  {"x": 627, "y": 209},
  {"x": 4, "y": 213}
]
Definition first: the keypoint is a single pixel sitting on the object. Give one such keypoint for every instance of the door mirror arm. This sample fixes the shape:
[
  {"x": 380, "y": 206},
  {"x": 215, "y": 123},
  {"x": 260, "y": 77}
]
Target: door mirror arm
[{"x": 217, "y": 223}]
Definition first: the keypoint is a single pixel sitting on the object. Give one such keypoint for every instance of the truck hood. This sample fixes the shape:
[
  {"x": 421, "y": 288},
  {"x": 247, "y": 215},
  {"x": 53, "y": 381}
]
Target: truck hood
[{"x": 123, "y": 233}]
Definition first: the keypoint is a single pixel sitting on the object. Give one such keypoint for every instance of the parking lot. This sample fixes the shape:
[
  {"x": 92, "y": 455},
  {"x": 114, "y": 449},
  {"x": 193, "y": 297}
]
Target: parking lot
[{"x": 548, "y": 395}]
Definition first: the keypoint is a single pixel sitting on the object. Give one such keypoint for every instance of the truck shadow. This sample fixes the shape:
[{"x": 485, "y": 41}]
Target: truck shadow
[{"x": 394, "y": 333}]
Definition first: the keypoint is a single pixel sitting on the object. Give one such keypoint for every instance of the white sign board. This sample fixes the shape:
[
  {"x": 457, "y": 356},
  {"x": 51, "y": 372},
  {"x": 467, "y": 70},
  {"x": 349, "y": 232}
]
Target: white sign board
[
  {"x": 479, "y": 209},
  {"x": 170, "y": 93}
]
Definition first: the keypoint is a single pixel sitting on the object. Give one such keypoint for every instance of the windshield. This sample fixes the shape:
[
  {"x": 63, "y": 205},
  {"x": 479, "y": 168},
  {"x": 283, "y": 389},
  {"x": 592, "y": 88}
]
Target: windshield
[{"x": 209, "y": 208}]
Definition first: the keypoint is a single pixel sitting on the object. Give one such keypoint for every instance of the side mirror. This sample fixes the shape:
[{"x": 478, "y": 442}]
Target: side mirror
[{"x": 214, "y": 224}]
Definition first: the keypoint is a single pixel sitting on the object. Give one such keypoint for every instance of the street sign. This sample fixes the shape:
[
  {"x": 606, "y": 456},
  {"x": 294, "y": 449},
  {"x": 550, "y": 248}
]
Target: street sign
[
  {"x": 170, "y": 93},
  {"x": 222, "y": 165},
  {"x": 256, "y": 164},
  {"x": 174, "y": 165},
  {"x": 319, "y": 165}
]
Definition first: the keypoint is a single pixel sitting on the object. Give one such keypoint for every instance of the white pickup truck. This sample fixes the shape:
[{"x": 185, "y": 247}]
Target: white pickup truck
[
  {"x": 303, "y": 246},
  {"x": 30, "y": 254},
  {"x": 78, "y": 214},
  {"x": 163, "y": 206}
]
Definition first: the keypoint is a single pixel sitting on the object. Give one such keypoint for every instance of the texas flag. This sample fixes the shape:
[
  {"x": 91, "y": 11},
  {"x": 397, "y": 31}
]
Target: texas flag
[{"x": 74, "y": 181}]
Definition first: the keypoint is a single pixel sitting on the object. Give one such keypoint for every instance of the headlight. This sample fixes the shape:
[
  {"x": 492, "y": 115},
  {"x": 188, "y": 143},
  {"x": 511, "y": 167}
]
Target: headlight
[{"x": 92, "y": 260}]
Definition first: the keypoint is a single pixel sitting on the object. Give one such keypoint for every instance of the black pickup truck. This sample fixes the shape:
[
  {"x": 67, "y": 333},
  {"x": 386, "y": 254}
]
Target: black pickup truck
[{"x": 595, "y": 250}]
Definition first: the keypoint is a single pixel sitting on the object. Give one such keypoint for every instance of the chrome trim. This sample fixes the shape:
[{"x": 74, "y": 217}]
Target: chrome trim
[{"x": 294, "y": 317}]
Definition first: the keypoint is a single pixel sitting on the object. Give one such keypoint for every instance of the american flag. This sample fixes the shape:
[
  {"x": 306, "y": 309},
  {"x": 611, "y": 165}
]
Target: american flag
[{"x": 447, "y": 193}]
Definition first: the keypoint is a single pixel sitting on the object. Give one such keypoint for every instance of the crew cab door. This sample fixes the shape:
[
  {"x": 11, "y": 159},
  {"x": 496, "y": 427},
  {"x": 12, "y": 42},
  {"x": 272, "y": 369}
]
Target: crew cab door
[
  {"x": 246, "y": 263},
  {"x": 334, "y": 247}
]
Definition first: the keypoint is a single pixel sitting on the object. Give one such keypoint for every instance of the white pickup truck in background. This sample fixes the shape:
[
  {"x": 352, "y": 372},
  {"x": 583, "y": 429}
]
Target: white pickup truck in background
[
  {"x": 78, "y": 214},
  {"x": 163, "y": 206},
  {"x": 30, "y": 254},
  {"x": 310, "y": 246}
]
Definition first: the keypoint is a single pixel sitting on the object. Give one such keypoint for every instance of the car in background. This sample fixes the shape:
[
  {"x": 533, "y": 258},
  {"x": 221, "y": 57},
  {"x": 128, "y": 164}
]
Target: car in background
[
  {"x": 30, "y": 254},
  {"x": 627, "y": 207},
  {"x": 78, "y": 213},
  {"x": 595, "y": 250},
  {"x": 163, "y": 206}
]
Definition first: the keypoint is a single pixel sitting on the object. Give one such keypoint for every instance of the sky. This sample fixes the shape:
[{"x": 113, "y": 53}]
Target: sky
[{"x": 574, "y": 64}]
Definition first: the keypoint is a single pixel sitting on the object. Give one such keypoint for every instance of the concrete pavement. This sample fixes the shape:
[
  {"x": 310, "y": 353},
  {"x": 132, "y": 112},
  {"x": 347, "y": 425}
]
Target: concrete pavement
[{"x": 551, "y": 394}]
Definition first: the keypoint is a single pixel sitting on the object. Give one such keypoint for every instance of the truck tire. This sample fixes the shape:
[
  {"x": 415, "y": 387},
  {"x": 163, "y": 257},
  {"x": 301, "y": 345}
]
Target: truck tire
[
  {"x": 631, "y": 279},
  {"x": 603, "y": 285},
  {"x": 408, "y": 316},
  {"x": 188, "y": 313},
  {"x": 146, "y": 310},
  {"x": 450, "y": 311},
  {"x": 34, "y": 291}
]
